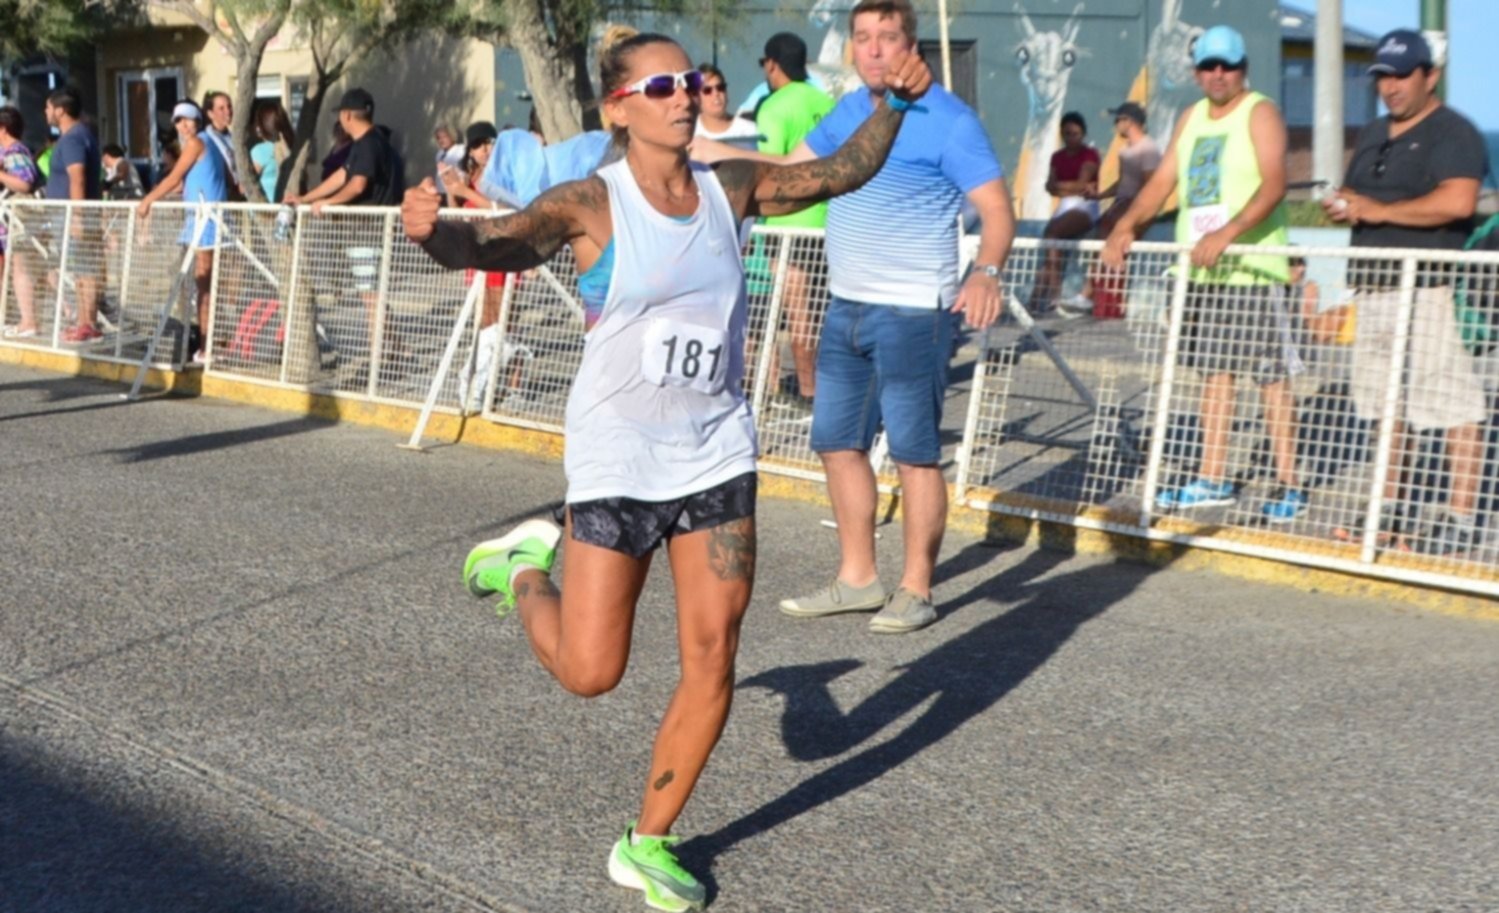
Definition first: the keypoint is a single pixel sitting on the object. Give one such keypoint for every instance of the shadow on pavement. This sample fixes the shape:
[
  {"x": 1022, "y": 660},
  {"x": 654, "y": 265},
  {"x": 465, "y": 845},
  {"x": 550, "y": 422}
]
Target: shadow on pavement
[
  {"x": 65, "y": 850},
  {"x": 219, "y": 440},
  {"x": 967, "y": 675}
]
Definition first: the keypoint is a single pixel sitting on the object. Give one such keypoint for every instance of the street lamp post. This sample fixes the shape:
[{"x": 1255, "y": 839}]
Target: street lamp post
[
  {"x": 1327, "y": 77},
  {"x": 1434, "y": 25}
]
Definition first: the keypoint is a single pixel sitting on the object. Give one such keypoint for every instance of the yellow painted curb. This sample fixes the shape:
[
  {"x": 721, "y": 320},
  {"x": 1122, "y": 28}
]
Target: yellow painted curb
[{"x": 451, "y": 429}]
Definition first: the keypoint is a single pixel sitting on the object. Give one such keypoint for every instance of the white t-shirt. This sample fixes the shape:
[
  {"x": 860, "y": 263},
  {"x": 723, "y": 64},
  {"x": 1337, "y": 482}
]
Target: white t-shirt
[
  {"x": 453, "y": 158},
  {"x": 741, "y": 133}
]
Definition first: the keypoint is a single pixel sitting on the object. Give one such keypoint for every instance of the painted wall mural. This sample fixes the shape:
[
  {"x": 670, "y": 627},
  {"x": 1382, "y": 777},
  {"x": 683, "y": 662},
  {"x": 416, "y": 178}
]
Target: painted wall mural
[{"x": 1046, "y": 61}]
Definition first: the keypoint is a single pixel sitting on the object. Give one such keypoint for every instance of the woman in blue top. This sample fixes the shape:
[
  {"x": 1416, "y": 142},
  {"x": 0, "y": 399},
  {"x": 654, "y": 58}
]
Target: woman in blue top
[
  {"x": 273, "y": 126},
  {"x": 203, "y": 179}
]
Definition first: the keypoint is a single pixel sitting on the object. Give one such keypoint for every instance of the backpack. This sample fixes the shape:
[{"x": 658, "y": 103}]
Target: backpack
[{"x": 1476, "y": 297}]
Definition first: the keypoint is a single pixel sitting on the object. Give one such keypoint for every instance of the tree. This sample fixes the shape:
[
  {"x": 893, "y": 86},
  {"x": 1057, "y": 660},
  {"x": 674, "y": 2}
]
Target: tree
[
  {"x": 53, "y": 27},
  {"x": 243, "y": 28},
  {"x": 553, "y": 39}
]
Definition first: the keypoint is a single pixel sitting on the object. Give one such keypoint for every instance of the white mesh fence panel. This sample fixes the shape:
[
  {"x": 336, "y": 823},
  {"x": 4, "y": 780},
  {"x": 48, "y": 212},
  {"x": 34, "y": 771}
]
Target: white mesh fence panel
[
  {"x": 1065, "y": 397},
  {"x": 1349, "y": 411},
  {"x": 252, "y": 283},
  {"x": 535, "y": 352},
  {"x": 155, "y": 248}
]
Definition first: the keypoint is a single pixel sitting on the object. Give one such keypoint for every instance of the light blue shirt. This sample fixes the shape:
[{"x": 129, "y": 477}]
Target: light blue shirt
[
  {"x": 941, "y": 153},
  {"x": 264, "y": 157},
  {"x": 520, "y": 168}
]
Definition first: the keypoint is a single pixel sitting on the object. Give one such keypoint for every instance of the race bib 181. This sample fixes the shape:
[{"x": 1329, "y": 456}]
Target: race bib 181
[{"x": 685, "y": 355}]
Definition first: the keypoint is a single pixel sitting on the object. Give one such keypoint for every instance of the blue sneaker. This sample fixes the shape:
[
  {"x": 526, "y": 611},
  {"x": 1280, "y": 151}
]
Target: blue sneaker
[
  {"x": 1285, "y": 505},
  {"x": 1200, "y": 493}
]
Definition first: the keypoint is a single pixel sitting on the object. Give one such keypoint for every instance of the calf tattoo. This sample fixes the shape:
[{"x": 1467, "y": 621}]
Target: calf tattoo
[
  {"x": 731, "y": 550},
  {"x": 664, "y": 780}
]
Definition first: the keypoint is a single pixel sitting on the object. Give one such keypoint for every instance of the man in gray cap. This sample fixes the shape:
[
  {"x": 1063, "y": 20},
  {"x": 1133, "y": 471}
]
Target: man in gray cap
[
  {"x": 1413, "y": 182},
  {"x": 1102, "y": 294}
]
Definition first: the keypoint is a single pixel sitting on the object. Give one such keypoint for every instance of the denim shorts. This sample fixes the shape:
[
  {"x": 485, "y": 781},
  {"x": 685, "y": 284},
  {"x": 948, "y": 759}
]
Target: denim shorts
[{"x": 882, "y": 363}]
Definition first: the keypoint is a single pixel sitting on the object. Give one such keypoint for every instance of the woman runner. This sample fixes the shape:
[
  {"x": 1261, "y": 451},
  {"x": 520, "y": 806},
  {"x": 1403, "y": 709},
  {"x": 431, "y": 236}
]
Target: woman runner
[{"x": 660, "y": 440}]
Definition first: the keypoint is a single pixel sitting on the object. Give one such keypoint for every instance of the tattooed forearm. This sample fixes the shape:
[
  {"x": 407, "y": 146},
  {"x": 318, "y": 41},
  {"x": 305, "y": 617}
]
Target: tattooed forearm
[
  {"x": 731, "y": 550},
  {"x": 521, "y": 240},
  {"x": 789, "y": 188}
]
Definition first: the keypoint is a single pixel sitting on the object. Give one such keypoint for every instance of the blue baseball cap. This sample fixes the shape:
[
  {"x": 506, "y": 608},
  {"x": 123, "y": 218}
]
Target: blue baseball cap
[
  {"x": 1219, "y": 43},
  {"x": 1400, "y": 52}
]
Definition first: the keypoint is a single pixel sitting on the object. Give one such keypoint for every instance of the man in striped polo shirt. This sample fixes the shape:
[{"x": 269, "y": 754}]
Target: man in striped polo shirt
[{"x": 892, "y": 250}]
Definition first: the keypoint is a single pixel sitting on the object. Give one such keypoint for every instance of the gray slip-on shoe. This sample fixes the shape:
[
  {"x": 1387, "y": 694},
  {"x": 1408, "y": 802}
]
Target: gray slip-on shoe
[
  {"x": 904, "y": 612},
  {"x": 836, "y": 598}
]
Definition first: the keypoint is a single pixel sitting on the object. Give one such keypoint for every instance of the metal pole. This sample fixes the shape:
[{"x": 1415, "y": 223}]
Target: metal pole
[
  {"x": 1327, "y": 70},
  {"x": 1434, "y": 26},
  {"x": 946, "y": 45}
]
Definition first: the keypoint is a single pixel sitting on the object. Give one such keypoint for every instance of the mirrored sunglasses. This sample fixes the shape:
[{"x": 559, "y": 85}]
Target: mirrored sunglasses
[{"x": 663, "y": 85}]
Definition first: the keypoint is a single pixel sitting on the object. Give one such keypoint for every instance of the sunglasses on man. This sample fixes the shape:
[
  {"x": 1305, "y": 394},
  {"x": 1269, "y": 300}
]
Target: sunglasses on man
[
  {"x": 1210, "y": 66},
  {"x": 661, "y": 86}
]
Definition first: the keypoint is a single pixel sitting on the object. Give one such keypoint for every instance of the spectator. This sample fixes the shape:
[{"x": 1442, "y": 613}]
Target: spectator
[
  {"x": 201, "y": 174},
  {"x": 1228, "y": 157},
  {"x": 19, "y": 176},
  {"x": 1073, "y": 179},
  {"x": 785, "y": 118},
  {"x": 44, "y": 157},
  {"x": 220, "y": 110},
  {"x": 372, "y": 176},
  {"x": 338, "y": 156},
  {"x": 1413, "y": 182},
  {"x": 121, "y": 180},
  {"x": 479, "y": 140},
  {"x": 714, "y": 121},
  {"x": 75, "y": 176},
  {"x": 450, "y": 154},
  {"x": 273, "y": 129},
  {"x": 890, "y": 325},
  {"x": 1138, "y": 161}
]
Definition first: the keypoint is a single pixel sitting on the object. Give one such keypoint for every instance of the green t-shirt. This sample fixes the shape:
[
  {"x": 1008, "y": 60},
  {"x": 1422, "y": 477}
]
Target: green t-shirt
[{"x": 784, "y": 118}]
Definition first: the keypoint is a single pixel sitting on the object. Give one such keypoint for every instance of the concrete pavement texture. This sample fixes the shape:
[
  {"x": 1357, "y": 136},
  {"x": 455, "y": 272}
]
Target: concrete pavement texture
[{"x": 238, "y": 671}]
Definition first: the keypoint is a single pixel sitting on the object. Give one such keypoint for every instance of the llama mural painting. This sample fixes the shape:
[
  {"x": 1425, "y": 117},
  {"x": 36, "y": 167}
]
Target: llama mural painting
[
  {"x": 1165, "y": 85},
  {"x": 1045, "y": 60},
  {"x": 1169, "y": 74}
]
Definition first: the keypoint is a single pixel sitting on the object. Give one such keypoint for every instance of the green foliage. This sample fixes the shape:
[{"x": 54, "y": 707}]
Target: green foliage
[{"x": 50, "y": 26}]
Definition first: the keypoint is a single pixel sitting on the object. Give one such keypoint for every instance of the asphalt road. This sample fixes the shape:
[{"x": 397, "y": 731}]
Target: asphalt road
[{"x": 238, "y": 672}]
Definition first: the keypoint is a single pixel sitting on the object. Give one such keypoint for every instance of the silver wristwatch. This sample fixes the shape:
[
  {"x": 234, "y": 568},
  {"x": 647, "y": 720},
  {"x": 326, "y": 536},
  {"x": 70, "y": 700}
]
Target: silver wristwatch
[{"x": 993, "y": 272}]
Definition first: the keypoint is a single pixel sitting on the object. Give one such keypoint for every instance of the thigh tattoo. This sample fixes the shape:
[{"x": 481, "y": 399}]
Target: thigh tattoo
[{"x": 731, "y": 549}]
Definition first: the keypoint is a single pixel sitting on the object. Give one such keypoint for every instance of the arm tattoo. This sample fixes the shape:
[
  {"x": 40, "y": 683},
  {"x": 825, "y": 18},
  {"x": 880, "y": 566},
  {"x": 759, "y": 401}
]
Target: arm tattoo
[
  {"x": 789, "y": 188},
  {"x": 521, "y": 240},
  {"x": 664, "y": 780},
  {"x": 731, "y": 550}
]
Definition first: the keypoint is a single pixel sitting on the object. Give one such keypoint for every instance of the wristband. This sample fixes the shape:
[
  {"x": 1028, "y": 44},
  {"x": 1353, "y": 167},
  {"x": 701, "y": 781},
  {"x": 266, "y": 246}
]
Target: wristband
[{"x": 895, "y": 102}]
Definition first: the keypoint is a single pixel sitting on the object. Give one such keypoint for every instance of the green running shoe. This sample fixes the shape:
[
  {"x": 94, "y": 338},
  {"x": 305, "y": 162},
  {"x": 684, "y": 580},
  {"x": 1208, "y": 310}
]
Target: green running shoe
[
  {"x": 490, "y": 565},
  {"x": 650, "y": 866}
]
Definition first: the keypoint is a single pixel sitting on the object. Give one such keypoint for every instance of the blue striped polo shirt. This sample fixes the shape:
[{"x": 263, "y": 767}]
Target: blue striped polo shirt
[{"x": 895, "y": 240}]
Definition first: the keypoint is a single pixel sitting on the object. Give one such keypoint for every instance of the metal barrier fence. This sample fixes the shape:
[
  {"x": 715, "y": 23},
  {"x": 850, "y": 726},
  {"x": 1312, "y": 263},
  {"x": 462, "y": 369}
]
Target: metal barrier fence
[{"x": 1175, "y": 410}]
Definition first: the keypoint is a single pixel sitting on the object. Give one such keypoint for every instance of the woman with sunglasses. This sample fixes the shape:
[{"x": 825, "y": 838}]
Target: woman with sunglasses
[
  {"x": 714, "y": 122},
  {"x": 660, "y": 443}
]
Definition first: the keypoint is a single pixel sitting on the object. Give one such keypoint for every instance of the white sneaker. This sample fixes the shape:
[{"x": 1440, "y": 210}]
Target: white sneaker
[{"x": 1074, "y": 306}]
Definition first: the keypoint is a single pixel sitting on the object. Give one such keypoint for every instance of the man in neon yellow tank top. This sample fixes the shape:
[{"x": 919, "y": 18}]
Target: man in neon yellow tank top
[{"x": 1227, "y": 159}]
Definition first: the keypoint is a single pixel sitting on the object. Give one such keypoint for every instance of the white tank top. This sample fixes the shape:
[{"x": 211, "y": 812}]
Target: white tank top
[{"x": 657, "y": 411}]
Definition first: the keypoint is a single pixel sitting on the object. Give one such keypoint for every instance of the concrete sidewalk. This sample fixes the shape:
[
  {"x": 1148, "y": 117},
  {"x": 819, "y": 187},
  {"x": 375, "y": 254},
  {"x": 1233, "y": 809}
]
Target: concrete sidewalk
[{"x": 238, "y": 672}]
